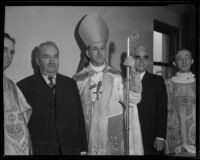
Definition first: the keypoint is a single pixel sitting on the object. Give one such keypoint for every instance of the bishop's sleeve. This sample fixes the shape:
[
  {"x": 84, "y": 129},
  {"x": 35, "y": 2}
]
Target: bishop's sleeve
[{"x": 135, "y": 89}]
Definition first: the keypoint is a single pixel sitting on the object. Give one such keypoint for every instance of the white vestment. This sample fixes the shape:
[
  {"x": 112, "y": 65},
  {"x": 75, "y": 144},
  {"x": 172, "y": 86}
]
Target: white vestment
[
  {"x": 181, "y": 125},
  {"x": 104, "y": 112},
  {"x": 16, "y": 116}
]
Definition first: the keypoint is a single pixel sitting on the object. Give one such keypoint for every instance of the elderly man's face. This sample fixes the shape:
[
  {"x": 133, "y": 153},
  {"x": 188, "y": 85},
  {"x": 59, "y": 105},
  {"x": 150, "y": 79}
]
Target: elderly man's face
[
  {"x": 97, "y": 54},
  {"x": 183, "y": 61},
  {"x": 141, "y": 60},
  {"x": 48, "y": 60},
  {"x": 9, "y": 51}
]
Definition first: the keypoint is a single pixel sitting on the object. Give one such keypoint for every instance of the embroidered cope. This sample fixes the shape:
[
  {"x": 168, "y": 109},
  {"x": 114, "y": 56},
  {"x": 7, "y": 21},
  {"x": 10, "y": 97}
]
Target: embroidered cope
[
  {"x": 16, "y": 116},
  {"x": 104, "y": 114}
]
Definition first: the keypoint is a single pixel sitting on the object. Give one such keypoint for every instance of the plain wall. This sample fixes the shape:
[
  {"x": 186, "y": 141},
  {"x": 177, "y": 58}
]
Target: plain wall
[{"x": 32, "y": 25}]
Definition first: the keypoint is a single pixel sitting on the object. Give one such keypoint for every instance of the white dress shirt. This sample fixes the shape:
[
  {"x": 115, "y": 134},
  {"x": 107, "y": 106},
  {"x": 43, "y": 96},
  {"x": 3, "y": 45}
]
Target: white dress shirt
[
  {"x": 47, "y": 80},
  {"x": 142, "y": 75}
]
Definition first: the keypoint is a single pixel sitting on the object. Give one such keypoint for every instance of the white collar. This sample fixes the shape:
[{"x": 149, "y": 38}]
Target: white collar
[
  {"x": 183, "y": 77},
  {"x": 97, "y": 69},
  {"x": 142, "y": 75},
  {"x": 47, "y": 80}
]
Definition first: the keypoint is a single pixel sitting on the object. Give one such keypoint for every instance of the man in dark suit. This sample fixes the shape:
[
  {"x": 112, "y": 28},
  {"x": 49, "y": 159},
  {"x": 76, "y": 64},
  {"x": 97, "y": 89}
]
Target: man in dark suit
[
  {"x": 57, "y": 124},
  {"x": 153, "y": 106}
]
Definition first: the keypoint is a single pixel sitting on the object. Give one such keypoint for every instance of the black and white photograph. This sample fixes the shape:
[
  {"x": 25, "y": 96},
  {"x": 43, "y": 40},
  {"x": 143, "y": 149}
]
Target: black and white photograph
[{"x": 101, "y": 79}]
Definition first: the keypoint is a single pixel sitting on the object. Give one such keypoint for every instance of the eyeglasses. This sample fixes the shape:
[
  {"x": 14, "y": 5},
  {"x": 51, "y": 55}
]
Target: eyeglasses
[
  {"x": 183, "y": 59},
  {"x": 141, "y": 57}
]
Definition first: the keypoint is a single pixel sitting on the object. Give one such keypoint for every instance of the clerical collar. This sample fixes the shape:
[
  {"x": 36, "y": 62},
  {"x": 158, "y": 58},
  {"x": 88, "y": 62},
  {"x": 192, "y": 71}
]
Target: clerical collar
[
  {"x": 97, "y": 69},
  {"x": 47, "y": 80},
  {"x": 183, "y": 77}
]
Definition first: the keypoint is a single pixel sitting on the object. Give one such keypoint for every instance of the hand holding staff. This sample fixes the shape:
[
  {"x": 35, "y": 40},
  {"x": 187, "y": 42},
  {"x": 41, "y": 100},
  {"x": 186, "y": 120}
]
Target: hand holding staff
[{"x": 129, "y": 62}]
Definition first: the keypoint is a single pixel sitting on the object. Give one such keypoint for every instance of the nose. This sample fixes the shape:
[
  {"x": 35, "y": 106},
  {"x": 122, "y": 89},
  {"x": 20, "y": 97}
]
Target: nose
[
  {"x": 51, "y": 60},
  {"x": 141, "y": 60},
  {"x": 99, "y": 51},
  {"x": 184, "y": 61},
  {"x": 8, "y": 54}
]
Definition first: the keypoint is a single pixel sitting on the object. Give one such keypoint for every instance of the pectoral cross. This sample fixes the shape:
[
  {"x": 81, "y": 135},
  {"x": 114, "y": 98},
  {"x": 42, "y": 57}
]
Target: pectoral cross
[{"x": 98, "y": 89}]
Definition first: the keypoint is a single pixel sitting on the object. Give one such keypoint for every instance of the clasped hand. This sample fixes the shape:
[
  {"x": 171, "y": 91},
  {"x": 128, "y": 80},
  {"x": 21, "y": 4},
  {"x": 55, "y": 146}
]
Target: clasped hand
[{"x": 130, "y": 62}]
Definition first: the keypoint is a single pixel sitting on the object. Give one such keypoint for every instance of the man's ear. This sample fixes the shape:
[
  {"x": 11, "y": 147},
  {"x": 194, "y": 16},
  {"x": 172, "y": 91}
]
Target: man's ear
[
  {"x": 192, "y": 61},
  {"x": 37, "y": 60},
  {"x": 174, "y": 64},
  {"x": 87, "y": 53}
]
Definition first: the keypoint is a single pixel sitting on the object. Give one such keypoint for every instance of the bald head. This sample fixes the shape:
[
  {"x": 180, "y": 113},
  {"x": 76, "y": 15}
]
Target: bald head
[
  {"x": 48, "y": 58},
  {"x": 45, "y": 45}
]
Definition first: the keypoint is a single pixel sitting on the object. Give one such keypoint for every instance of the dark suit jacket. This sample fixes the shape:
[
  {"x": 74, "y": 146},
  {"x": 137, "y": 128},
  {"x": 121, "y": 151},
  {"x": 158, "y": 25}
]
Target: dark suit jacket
[
  {"x": 152, "y": 111},
  {"x": 56, "y": 121}
]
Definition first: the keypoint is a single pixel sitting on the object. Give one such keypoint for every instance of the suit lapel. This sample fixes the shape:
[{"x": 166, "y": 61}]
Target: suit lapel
[
  {"x": 145, "y": 83},
  {"x": 42, "y": 90},
  {"x": 59, "y": 86},
  {"x": 145, "y": 79}
]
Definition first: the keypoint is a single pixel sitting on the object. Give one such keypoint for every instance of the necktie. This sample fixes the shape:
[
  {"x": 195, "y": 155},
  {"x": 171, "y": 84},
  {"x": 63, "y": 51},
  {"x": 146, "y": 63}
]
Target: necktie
[{"x": 51, "y": 83}]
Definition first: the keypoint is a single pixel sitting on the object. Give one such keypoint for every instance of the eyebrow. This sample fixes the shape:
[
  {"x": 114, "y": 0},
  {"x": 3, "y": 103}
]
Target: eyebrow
[{"x": 183, "y": 56}]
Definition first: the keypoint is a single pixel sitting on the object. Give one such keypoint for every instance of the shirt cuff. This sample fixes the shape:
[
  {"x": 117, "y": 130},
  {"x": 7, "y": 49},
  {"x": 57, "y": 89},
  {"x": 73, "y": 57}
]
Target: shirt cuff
[{"x": 160, "y": 138}]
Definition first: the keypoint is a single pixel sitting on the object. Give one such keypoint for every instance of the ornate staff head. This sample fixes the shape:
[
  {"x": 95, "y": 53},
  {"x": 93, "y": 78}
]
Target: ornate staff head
[{"x": 132, "y": 37}]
